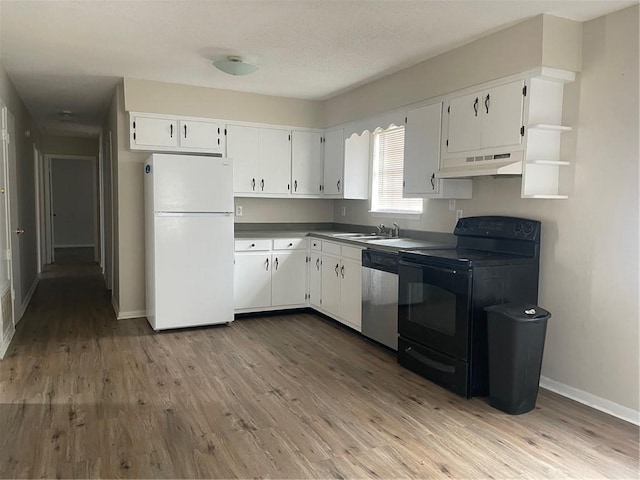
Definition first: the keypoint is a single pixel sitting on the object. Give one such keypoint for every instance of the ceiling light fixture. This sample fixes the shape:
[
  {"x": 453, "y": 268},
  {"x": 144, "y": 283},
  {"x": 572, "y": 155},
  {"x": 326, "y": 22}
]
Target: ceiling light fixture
[{"x": 234, "y": 66}]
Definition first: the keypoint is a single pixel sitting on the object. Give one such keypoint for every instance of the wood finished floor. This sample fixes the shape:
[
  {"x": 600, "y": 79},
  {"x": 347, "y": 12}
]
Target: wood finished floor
[{"x": 296, "y": 396}]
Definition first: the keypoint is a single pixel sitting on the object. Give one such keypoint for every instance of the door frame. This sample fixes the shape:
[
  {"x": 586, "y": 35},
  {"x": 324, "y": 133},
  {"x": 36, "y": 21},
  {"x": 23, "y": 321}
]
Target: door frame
[{"x": 46, "y": 190}]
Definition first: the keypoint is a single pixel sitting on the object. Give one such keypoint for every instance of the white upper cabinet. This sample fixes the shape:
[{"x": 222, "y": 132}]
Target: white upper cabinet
[
  {"x": 198, "y": 134},
  {"x": 164, "y": 133},
  {"x": 261, "y": 160},
  {"x": 243, "y": 147},
  {"x": 306, "y": 163},
  {"x": 422, "y": 157},
  {"x": 333, "y": 182},
  {"x": 486, "y": 119},
  {"x": 275, "y": 161}
]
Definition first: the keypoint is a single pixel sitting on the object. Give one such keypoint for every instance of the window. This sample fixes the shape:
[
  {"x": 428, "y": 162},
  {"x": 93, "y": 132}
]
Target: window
[{"x": 386, "y": 188}]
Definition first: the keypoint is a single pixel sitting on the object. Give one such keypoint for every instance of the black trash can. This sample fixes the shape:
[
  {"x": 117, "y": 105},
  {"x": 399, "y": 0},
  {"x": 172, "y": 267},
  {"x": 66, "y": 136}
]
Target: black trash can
[{"x": 516, "y": 334}]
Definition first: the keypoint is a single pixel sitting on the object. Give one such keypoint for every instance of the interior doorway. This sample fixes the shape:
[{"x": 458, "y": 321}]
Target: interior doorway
[{"x": 71, "y": 205}]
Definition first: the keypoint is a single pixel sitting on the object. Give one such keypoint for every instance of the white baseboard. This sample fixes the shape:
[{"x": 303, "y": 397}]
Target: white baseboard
[
  {"x": 132, "y": 314},
  {"x": 593, "y": 401},
  {"x": 6, "y": 342},
  {"x": 27, "y": 299},
  {"x": 79, "y": 245},
  {"x": 126, "y": 315}
]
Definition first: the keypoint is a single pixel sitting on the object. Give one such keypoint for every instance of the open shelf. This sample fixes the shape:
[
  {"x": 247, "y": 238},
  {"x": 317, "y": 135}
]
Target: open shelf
[{"x": 550, "y": 127}]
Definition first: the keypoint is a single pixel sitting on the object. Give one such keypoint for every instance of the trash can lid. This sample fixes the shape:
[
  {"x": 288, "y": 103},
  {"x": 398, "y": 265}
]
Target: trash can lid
[{"x": 520, "y": 311}]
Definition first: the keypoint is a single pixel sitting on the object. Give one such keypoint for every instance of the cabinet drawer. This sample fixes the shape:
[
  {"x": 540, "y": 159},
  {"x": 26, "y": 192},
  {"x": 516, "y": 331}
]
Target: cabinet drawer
[
  {"x": 252, "y": 244},
  {"x": 354, "y": 253},
  {"x": 290, "y": 243},
  {"x": 332, "y": 248},
  {"x": 316, "y": 244}
]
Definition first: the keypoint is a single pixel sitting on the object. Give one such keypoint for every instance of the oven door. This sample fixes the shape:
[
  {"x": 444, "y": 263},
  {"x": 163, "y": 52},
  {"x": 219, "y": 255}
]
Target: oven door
[{"x": 434, "y": 307}]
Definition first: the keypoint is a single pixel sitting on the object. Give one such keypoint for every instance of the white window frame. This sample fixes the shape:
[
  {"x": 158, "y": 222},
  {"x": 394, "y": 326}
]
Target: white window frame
[{"x": 376, "y": 210}]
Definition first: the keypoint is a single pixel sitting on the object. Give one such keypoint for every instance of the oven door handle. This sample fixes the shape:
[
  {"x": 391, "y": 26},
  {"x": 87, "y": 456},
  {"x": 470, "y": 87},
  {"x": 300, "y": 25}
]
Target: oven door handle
[
  {"x": 430, "y": 267},
  {"x": 427, "y": 361}
]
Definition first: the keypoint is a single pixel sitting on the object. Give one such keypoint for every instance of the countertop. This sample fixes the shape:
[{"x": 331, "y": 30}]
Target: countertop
[{"x": 429, "y": 240}]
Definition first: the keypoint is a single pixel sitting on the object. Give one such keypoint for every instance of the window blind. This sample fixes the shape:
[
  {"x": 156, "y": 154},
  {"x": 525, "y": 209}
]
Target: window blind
[{"x": 387, "y": 178}]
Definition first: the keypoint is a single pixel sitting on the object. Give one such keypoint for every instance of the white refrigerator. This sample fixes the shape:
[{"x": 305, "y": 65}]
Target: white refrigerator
[{"x": 189, "y": 240}]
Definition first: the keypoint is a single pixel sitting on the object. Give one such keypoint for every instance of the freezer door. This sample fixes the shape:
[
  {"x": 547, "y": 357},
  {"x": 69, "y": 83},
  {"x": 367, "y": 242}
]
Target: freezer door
[
  {"x": 193, "y": 270},
  {"x": 190, "y": 183}
]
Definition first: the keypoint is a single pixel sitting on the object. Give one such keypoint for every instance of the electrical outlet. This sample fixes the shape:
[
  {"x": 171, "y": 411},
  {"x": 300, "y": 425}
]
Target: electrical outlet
[
  {"x": 238, "y": 210},
  {"x": 458, "y": 214},
  {"x": 343, "y": 211},
  {"x": 452, "y": 205}
]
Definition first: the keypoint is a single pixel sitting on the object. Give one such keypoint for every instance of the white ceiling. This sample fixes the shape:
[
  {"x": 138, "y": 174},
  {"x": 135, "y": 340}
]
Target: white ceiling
[{"x": 69, "y": 55}]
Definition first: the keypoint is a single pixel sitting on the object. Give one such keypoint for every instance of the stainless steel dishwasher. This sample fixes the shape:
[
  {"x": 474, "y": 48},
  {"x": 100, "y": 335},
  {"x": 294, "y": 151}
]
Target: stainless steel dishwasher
[{"x": 380, "y": 297}]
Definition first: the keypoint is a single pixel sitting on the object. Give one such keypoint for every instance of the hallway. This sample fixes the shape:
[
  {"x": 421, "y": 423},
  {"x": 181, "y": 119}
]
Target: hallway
[{"x": 83, "y": 395}]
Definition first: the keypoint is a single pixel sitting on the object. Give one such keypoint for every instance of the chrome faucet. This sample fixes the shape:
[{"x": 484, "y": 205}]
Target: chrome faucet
[
  {"x": 381, "y": 229},
  {"x": 395, "y": 231}
]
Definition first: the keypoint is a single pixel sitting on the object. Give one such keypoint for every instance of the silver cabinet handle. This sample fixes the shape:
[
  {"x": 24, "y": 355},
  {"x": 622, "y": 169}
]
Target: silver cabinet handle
[
  {"x": 338, "y": 185},
  {"x": 253, "y": 184},
  {"x": 486, "y": 102},
  {"x": 171, "y": 129},
  {"x": 185, "y": 131},
  {"x": 318, "y": 264},
  {"x": 262, "y": 184},
  {"x": 337, "y": 266},
  {"x": 267, "y": 265},
  {"x": 295, "y": 185},
  {"x": 276, "y": 263},
  {"x": 342, "y": 271}
]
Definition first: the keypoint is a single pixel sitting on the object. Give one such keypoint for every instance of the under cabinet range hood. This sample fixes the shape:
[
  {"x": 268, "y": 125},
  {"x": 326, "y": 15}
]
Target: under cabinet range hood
[{"x": 482, "y": 165}]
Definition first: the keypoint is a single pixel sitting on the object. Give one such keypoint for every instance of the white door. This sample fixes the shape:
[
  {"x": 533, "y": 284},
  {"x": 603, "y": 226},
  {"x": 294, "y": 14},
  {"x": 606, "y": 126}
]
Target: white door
[
  {"x": 252, "y": 280},
  {"x": 333, "y": 162},
  {"x": 288, "y": 278},
  {"x": 16, "y": 232},
  {"x": 190, "y": 183},
  {"x": 315, "y": 280},
  {"x": 306, "y": 162},
  {"x": 465, "y": 123},
  {"x": 275, "y": 161},
  {"x": 330, "y": 284},
  {"x": 200, "y": 135},
  {"x": 502, "y": 108},
  {"x": 422, "y": 149},
  {"x": 155, "y": 132},
  {"x": 193, "y": 270},
  {"x": 351, "y": 292},
  {"x": 243, "y": 148},
  {"x": 6, "y": 322}
]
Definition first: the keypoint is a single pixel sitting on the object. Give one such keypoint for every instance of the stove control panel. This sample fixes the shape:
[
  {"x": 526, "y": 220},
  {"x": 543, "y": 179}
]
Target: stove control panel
[{"x": 499, "y": 227}]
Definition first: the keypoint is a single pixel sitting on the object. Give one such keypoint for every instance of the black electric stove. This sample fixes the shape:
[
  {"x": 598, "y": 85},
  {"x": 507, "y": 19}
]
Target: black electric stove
[{"x": 443, "y": 292}]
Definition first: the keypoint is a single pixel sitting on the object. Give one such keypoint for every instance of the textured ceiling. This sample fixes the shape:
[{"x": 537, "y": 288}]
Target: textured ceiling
[{"x": 68, "y": 55}]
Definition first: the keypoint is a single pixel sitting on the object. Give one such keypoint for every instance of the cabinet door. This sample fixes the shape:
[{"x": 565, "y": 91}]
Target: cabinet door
[
  {"x": 243, "y": 144},
  {"x": 315, "y": 280},
  {"x": 465, "y": 123},
  {"x": 200, "y": 135},
  {"x": 155, "y": 132},
  {"x": 306, "y": 162},
  {"x": 288, "y": 278},
  {"x": 252, "y": 280},
  {"x": 502, "y": 115},
  {"x": 275, "y": 161},
  {"x": 351, "y": 292},
  {"x": 330, "y": 267},
  {"x": 333, "y": 163},
  {"x": 422, "y": 150}
]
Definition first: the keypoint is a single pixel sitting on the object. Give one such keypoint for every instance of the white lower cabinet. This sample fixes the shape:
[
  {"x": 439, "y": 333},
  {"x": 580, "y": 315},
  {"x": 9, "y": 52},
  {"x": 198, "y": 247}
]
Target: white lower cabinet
[
  {"x": 270, "y": 274},
  {"x": 341, "y": 283}
]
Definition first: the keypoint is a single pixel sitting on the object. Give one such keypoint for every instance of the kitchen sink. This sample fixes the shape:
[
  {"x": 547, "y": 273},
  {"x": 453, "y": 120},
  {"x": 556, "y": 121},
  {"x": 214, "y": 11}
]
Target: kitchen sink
[
  {"x": 399, "y": 242},
  {"x": 347, "y": 235}
]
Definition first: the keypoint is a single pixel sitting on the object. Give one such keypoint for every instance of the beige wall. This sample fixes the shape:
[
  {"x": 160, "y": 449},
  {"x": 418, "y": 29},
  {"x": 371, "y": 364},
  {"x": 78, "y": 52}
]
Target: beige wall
[
  {"x": 81, "y": 146},
  {"x": 279, "y": 210},
  {"x": 589, "y": 265},
  {"x": 25, "y": 181},
  {"x": 170, "y": 98}
]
